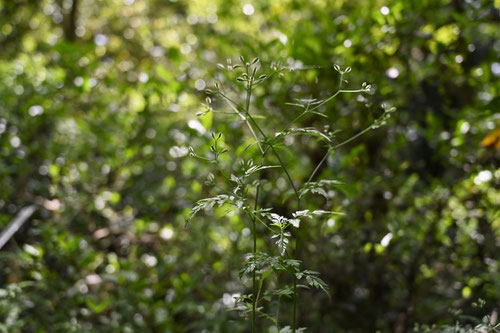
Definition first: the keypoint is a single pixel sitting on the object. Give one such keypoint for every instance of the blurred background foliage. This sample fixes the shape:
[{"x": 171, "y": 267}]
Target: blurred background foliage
[{"x": 98, "y": 103}]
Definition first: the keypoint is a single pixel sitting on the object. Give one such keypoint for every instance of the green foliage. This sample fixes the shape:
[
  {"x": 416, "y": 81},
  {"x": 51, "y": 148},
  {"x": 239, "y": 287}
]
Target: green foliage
[{"x": 98, "y": 104}]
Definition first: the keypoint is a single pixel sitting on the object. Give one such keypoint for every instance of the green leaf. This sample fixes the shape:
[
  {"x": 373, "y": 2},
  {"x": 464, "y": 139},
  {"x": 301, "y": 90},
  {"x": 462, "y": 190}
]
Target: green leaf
[
  {"x": 209, "y": 203},
  {"x": 287, "y": 291},
  {"x": 304, "y": 131},
  {"x": 313, "y": 280},
  {"x": 256, "y": 168},
  {"x": 99, "y": 307},
  {"x": 320, "y": 187},
  {"x": 282, "y": 241},
  {"x": 312, "y": 214}
]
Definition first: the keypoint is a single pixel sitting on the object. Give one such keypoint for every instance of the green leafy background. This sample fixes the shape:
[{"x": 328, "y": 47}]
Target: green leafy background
[{"x": 98, "y": 103}]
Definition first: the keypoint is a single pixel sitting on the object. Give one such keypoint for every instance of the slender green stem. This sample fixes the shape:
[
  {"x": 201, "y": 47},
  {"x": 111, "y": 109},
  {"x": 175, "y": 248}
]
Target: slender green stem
[
  {"x": 331, "y": 97},
  {"x": 260, "y": 289},
  {"x": 325, "y": 101},
  {"x": 336, "y": 147},
  {"x": 232, "y": 102},
  {"x": 297, "y": 118},
  {"x": 295, "y": 293},
  {"x": 267, "y": 78},
  {"x": 249, "y": 211},
  {"x": 277, "y": 156},
  {"x": 294, "y": 322},
  {"x": 319, "y": 165},
  {"x": 249, "y": 94},
  {"x": 352, "y": 138},
  {"x": 222, "y": 173},
  {"x": 254, "y": 278},
  {"x": 351, "y": 91},
  {"x": 278, "y": 312},
  {"x": 235, "y": 107},
  {"x": 285, "y": 128}
]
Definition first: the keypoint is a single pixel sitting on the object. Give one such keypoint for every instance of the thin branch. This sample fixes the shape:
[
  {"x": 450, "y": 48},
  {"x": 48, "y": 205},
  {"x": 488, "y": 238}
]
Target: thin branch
[
  {"x": 277, "y": 155},
  {"x": 235, "y": 106},
  {"x": 336, "y": 147},
  {"x": 18, "y": 221}
]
